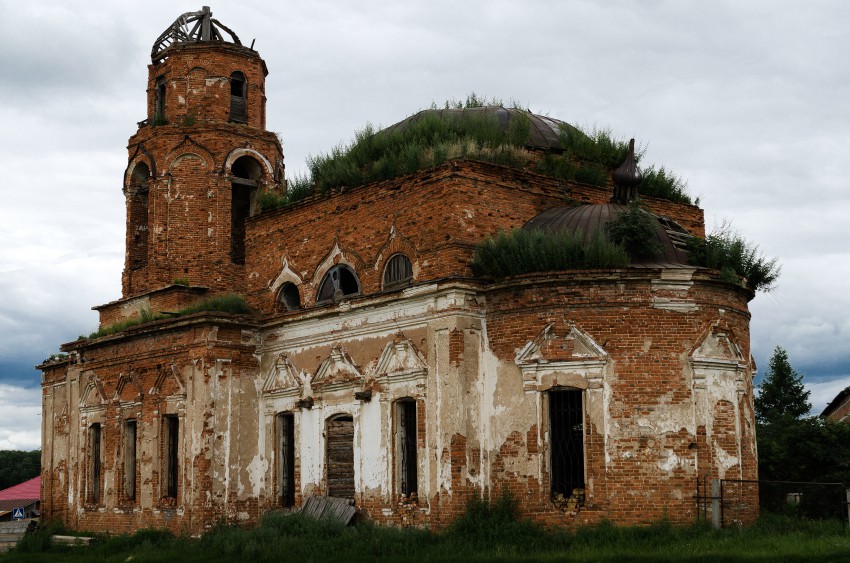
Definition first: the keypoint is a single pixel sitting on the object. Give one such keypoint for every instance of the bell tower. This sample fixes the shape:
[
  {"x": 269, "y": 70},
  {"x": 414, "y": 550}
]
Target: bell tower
[{"x": 198, "y": 161}]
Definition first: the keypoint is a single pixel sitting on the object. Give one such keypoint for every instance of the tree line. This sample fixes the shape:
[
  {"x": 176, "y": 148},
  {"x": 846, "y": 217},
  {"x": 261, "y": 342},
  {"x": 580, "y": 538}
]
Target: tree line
[{"x": 17, "y": 467}]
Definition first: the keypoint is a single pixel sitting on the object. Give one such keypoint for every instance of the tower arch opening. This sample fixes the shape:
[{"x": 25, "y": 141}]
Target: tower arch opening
[{"x": 246, "y": 173}]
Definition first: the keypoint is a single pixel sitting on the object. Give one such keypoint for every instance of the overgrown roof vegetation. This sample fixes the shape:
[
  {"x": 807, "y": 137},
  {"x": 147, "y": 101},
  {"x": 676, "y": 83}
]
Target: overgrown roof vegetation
[
  {"x": 631, "y": 234},
  {"x": 521, "y": 252},
  {"x": 226, "y": 303},
  {"x": 432, "y": 139},
  {"x": 736, "y": 258}
]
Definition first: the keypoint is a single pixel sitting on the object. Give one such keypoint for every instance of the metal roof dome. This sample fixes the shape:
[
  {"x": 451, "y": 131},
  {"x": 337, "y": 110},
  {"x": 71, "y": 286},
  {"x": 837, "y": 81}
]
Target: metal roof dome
[
  {"x": 191, "y": 27},
  {"x": 590, "y": 219},
  {"x": 544, "y": 132}
]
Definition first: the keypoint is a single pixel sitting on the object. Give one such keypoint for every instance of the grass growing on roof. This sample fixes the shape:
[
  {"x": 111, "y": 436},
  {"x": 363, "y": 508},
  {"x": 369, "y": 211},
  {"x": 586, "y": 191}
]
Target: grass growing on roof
[
  {"x": 226, "y": 303},
  {"x": 432, "y": 139},
  {"x": 516, "y": 252},
  {"x": 736, "y": 258}
]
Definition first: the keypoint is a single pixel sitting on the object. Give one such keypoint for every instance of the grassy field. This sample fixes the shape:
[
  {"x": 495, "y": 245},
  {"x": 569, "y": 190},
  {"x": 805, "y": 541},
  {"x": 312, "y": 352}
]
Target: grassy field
[{"x": 484, "y": 534}]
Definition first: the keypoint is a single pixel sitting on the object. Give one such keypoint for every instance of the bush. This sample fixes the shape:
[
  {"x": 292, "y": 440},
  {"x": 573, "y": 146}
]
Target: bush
[
  {"x": 736, "y": 258},
  {"x": 522, "y": 252},
  {"x": 636, "y": 231}
]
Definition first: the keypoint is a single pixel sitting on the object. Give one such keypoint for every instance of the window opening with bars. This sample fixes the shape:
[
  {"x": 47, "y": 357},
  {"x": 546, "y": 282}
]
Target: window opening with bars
[
  {"x": 130, "y": 459},
  {"x": 566, "y": 435},
  {"x": 94, "y": 444},
  {"x": 286, "y": 459},
  {"x": 172, "y": 436}
]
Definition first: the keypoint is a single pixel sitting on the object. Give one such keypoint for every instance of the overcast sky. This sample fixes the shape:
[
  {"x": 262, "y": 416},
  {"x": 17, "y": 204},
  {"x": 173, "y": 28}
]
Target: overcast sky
[{"x": 748, "y": 101}]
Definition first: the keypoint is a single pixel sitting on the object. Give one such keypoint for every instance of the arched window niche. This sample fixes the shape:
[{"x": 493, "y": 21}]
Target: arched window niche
[
  {"x": 238, "y": 98},
  {"x": 246, "y": 172},
  {"x": 137, "y": 212},
  {"x": 398, "y": 272},
  {"x": 339, "y": 282},
  {"x": 289, "y": 297}
]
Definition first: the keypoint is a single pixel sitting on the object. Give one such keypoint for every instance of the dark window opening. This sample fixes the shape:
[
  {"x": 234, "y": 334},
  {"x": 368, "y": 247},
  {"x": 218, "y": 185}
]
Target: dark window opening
[
  {"x": 566, "y": 435},
  {"x": 338, "y": 282},
  {"x": 398, "y": 271},
  {"x": 340, "y": 457},
  {"x": 286, "y": 459},
  {"x": 94, "y": 445},
  {"x": 240, "y": 210},
  {"x": 238, "y": 99},
  {"x": 159, "y": 108},
  {"x": 406, "y": 446},
  {"x": 246, "y": 172},
  {"x": 137, "y": 197},
  {"x": 289, "y": 297},
  {"x": 171, "y": 430},
  {"x": 130, "y": 459}
]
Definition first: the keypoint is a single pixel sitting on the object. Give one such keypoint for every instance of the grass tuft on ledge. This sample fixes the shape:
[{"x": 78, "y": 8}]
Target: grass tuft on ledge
[
  {"x": 226, "y": 303},
  {"x": 737, "y": 259}
]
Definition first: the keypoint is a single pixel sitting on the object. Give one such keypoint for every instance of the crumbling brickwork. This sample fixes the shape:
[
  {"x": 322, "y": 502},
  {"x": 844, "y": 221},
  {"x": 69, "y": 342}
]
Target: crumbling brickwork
[{"x": 186, "y": 421}]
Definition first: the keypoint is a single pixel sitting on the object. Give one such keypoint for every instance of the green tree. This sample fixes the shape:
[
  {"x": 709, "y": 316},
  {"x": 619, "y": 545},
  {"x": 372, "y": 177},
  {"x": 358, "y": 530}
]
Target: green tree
[
  {"x": 782, "y": 396},
  {"x": 17, "y": 467}
]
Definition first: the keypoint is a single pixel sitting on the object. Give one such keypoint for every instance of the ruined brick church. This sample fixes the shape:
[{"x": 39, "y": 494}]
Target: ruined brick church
[{"x": 372, "y": 363}]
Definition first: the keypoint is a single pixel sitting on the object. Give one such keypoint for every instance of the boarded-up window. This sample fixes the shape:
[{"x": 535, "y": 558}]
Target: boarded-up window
[
  {"x": 566, "y": 436},
  {"x": 286, "y": 459},
  {"x": 340, "y": 457},
  {"x": 398, "y": 271},
  {"x": 170, "y": 466},
  {"x": 238, "y": 99},
  {"x": 130, "y": 459},
  {"x": 94, "y": 464},
  {"x": 405, "y": 439}
]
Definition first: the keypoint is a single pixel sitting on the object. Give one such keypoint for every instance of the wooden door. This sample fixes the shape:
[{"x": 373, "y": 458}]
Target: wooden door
[{"x": 340, "y": 457}]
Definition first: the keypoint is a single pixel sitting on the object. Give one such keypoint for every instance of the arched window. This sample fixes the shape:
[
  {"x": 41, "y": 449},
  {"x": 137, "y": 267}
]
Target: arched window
[
  {"x": 137, "y": 210},
  {"x": 238, "y": 98},
  {"x": 246, "y": 172},
  {"x": 398, "y": 271},
  {"x": 338, "y": 282},
  {"x": 289, "y": 297}
]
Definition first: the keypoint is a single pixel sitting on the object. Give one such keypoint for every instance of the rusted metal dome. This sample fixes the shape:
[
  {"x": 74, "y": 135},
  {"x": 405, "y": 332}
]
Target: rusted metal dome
[
  {"x": 191, "y": 27},
  {"x": 590, "y": 219},
  {"x": 544, "y": 132}
]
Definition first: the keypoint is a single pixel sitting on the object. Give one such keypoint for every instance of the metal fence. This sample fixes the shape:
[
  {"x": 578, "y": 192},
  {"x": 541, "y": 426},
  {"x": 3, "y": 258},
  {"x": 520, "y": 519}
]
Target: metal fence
[{"x": 730, "y": 502}]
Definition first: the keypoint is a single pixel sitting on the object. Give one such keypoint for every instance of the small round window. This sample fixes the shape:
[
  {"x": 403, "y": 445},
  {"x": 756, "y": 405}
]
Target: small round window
[
  {"x": 338, "y": 282},
  {"x": 398, "y": 271},
  {"x": 289, "y": 297}
]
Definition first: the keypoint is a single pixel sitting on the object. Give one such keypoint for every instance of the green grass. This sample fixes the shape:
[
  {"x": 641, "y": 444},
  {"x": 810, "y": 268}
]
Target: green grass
[
  {"x": 737, "y": 259},
  {"x": 227, "y": 303},
  {"x": 484, "y": 534},
  {"x": 432, "y": 139},
  {"x": 517, "y": 252}
]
